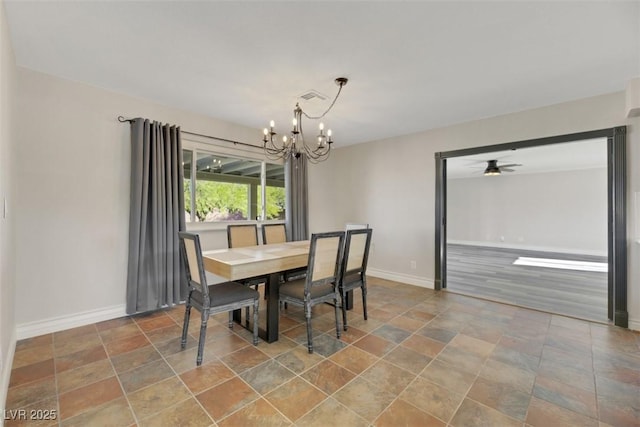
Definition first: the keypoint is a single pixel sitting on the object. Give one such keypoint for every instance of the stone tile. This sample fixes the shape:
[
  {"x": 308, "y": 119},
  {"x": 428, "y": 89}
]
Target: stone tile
[
  {"x": 392, "y": 333},
  {"x": 114, "y": 323},
  {"x": 126, "y": 345},
  {"x": 173, "y": 346},
  {"x": 279, "y": 347},
  {"x": 225, "y": 398},
  {"x": 395, "y": 379},
  {"x": 295, "y": 398},
  {"x": 88, "y": 397},
  {"x": 375, "y": 345},
  {"x": 259, "y": 412},
  {"x": 34, "y": 372},
  {"x": 438, "y": 334},
  {"x": 187, "y": 413},
  {"x": 145, "y": 375},
  {"x": 401, "y": 413},
  {"x": 515, "y": 358},
  {"x": 206, "y": 376},
  {"x": 327, "y": 344},
  {"x": 501, "y": 397},
  {"x": 224, "y": 344},
  {"x": 328, "y": 376},
  {"x": 354, "y": 359},
  {"x": 331, "y": 413},
  {"x": 84, "y": 375},
  {"x": 86, "y": 331},
  {"x": 448, "y": 376},
  {"x": 566, "y": 396},
  {"x": 133, "y": 359},
  {"x": 583, "y": 361},
  {"x": 32, "y": 354},
  {"x": 423, "y": 345},
  {"x": 406, "y": 323},
  {"x": 352, "y": 335},
  {"x": 167, "y": 333},
  {"x": 531, "y": 347},
  {"x": 364, "y": 398},
  {"x": 432, "y": 398},
  {"x": 618, "y": 402},
  {"x": 157, "y": 397},
  {"x": 77, "y": 343},
  {"x": 114, "y": 413},
  {"x": 121, "y": 332},
  {"x": 35, "y": 342},
  {"x": 542, "y": 413},
  {"x": 159, "y": 322},
  {"x": 80, "y": 358},
  {"x": 472, "y": 345},
  {"x": 486, "y": 331},
  {"x": 299, "y": 359},
  {"x": 43, "y": 413},
  {"x": 30, "y": 393},
  {"x": 267, "y": 376},
  {"x": 567, "y": 374},
  {"x": 245, "y": 358},
  {"x": 186, "y": 359},
  {"x": 506, "y": 374},
  {"x": 463, "y": 359},
  {"x": 473, "y": 414}
]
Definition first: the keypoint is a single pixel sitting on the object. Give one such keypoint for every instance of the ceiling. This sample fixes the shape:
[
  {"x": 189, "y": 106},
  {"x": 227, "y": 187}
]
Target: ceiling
[
  {"x": 412, "y": 66},
  {"x": 577, "y": 155}
]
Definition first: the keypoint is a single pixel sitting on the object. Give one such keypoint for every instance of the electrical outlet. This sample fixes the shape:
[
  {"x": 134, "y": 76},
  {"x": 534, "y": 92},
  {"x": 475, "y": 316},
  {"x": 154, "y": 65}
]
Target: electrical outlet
[{"x": 413, "y": 265}]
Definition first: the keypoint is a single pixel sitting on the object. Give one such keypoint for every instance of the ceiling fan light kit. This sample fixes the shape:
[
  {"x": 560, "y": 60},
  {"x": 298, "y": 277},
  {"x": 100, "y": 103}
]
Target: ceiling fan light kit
[{"x": 493, "y": 169}]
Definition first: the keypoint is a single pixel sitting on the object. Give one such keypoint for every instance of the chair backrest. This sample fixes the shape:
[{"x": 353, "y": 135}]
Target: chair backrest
[
  {"x": 355, "y": 226},
  {"x": 325, "y": 253},
  {"x": 241, "y": 235},
  {"x": 356, "y": 251},
  {"x": 192, "y": 255},
  {"x": 273, "y": 233}
]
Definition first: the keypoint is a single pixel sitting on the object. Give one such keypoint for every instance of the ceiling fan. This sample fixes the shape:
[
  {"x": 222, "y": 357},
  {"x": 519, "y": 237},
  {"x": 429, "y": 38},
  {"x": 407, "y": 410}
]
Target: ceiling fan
[{"x": 494, "y": 169}]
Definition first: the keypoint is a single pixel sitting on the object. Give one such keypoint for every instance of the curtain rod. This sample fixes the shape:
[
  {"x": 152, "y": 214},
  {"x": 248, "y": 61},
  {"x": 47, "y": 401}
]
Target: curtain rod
[{"x": 121, "y": 119}]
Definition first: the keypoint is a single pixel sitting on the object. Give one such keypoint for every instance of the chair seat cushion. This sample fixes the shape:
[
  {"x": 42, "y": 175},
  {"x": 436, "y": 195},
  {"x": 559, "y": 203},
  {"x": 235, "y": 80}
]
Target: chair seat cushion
[
  {"x": 295, "y": 289},
  {"x": 226, "y": 293},
  {"x": 352, "y": 281}
]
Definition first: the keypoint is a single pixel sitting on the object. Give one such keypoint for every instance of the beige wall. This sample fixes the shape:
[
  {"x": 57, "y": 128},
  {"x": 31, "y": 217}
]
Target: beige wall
[
  {"x": 7, "y": 258},
  {"x": 555, "y": 211},
  {"x": 72, "y": 195},
  {"x": 391, "y": 183}
]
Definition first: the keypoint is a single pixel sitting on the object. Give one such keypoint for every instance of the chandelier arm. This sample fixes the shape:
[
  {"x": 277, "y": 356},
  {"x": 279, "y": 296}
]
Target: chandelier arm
[{"x": 328, "y": 109}]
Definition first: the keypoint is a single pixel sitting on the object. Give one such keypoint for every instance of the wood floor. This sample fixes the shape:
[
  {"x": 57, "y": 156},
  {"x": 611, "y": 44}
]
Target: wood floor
[{"x": 489, "y": 273}]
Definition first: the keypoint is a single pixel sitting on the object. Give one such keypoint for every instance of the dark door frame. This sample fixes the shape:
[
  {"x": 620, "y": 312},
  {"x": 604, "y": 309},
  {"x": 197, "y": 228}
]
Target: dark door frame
[{"x": 616, "y": 209}]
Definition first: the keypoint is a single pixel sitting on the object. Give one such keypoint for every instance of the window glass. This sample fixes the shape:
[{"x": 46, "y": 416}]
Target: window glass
[{"x": 230, "y": 189}]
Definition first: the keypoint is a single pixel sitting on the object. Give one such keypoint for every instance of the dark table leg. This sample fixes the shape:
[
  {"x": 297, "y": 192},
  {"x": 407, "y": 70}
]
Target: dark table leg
[
  {"x": 273, "y": 310},
  {"x": 349, "y": 300}
]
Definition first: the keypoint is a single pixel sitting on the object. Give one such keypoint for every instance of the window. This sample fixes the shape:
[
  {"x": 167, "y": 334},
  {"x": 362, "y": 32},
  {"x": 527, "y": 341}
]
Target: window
[{"x": 226, "y": 188}]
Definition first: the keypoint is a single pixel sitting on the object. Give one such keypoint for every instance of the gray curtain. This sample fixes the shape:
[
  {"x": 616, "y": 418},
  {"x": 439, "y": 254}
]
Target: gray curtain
[
  {"x": 157, "y": 214},
  {"x": 297, "y": 200}
]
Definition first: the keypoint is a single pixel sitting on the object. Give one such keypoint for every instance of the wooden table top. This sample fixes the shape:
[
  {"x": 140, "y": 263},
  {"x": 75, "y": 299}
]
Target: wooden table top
[{"x": 251, "y": 261}]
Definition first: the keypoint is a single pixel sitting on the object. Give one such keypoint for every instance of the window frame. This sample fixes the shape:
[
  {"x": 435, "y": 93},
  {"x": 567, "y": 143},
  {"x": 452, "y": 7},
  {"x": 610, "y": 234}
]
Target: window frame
[{"x": 201, "y": 145}]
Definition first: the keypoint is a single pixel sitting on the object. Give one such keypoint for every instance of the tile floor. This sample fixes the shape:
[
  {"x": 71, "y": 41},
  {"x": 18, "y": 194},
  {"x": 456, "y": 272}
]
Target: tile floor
[{"x": 422, "y": 359}]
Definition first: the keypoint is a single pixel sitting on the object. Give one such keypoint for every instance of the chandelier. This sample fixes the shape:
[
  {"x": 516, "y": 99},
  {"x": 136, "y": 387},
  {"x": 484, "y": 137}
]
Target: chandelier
[{"x": 294, "y": 144}]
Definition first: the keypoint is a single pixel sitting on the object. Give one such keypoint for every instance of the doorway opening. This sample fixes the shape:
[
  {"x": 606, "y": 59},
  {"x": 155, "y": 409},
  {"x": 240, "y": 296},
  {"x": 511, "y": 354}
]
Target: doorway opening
[{"x": 498, "y": 230}]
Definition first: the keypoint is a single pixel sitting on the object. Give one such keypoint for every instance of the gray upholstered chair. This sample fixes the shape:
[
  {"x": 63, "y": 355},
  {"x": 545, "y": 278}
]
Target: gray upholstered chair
[
  {"x": 273, "y": 233},
  {"x": 211, "y": 299},
  {"x": 354, "y": 267},
  {"x": 319, "y": 285},
  {"x": 240, "y": 236},
  {"x": 277, "y": 233}
]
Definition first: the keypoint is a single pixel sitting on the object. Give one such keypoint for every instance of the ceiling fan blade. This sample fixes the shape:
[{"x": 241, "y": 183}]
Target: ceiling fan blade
[
  {"x": 503, "y": 169},
  {"x": 509, "y": 165}
]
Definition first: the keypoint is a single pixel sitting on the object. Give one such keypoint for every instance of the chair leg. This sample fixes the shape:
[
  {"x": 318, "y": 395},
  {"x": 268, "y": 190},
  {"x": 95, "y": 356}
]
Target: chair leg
[
  {"x": 231, "y": 319},
  {"x": 364, "y": 299},
  {"x": 203, "y": 335},
  {"x": 337, "y": 308},
  {"x": 256, "y": 305},
  {"x": 185, "y": 324},
  {"x": 307, "y": 314},
  {"x": 343, "y": 306}
]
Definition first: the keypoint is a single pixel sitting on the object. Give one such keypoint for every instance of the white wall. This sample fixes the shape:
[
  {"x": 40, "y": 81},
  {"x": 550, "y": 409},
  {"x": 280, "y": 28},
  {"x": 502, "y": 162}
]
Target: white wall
[
  {"x": 71, "y": 211},
  {"x": 554, "y": 211},
  {"x": 391, "y": 183},
  {"x": 7, "y": 278}
]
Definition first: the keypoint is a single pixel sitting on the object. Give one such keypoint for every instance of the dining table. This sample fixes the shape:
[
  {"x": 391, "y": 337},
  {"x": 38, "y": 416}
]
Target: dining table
[
  {"x": 269, "y": 261},
  {"x": 255, "y": 261}
]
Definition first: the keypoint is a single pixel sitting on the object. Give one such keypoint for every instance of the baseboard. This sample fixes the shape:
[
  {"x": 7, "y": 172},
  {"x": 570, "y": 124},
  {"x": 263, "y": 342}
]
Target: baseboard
[
  {"x": 400, "y": 277},
  {"x": 528, "y": 247},
  {"x": 6, "y": 373},
  {"x": 634, "y": 324},
  {"x": 56, "y": 324}
]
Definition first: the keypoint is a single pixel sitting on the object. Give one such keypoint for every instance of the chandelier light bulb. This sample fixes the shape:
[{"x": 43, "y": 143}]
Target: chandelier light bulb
[
  {"x": 266, "y": 131},
  {"x": 329, "y": 133},
  {"x": 321, "y": 126},
  {"x": 272, "y": 124}
]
